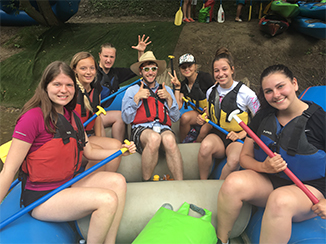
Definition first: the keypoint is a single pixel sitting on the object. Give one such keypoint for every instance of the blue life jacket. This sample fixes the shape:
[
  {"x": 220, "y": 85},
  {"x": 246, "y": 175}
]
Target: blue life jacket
[{"x": 305, "y": 160}]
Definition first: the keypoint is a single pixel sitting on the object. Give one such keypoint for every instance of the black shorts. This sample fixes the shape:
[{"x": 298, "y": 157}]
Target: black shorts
[
  {"x": 30, "y": 196},
  {"x": 221, "y": 135},
  {"x": 135, "y": 136},
  {"x": 277, "y": 182}
]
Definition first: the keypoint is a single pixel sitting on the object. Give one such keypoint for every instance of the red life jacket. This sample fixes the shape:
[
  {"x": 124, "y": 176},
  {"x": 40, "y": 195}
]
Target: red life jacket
[
  {"x": 85, "y": 114},
  {"x": 152, "y": 108},
  {"x": 59, "y": 158}
]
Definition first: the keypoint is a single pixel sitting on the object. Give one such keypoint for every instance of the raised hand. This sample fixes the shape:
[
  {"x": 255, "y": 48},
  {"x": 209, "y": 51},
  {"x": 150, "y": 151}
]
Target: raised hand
[
  {"x": 142, "y": 93},
  {"x": 163, "y": 93},
  {"x": 174, "y": 80},
  {"x": 142, "y": 43}
]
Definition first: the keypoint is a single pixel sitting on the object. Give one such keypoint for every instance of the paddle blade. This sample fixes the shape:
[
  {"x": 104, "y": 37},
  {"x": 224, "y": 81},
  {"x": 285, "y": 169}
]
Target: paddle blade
[
  {"x": 178, "y": 17},
  {"x": 260, "y": 10},
  {"x": 249, "y": 18},
  {"x": 4, "y": 148}
]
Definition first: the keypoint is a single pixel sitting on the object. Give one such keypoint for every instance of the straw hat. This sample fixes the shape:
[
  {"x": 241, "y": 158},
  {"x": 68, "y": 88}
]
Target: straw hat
[{"x": 146, "y": 57}]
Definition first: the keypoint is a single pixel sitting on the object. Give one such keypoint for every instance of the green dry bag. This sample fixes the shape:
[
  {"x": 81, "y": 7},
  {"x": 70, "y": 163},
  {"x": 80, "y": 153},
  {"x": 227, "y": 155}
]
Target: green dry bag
[
  {"x": 178, "y": 227},
  {"x": 203, "y": 13}
]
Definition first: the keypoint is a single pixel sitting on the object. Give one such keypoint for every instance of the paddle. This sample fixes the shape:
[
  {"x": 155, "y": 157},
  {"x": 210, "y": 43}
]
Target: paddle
[
  {"x": 171, "y": 57},
  {"x": 62, "y": 187},
  {"x": 118, "y": 92},
  {"x": 267, "y": 8},
  {"x": 178, "y": 16},
  {"x": 250, "y": 8},
  {"x": 209, "y": 121},
  {"x": 100, "y": 111},
  {"x": 220, "y": 14},
  {"x": 260, "y": 10},
  {"x": 268, "y": 151}
]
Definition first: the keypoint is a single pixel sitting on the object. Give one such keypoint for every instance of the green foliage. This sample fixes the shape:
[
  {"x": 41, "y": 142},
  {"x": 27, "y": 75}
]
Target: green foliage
[{"x": 21, "y": 73}]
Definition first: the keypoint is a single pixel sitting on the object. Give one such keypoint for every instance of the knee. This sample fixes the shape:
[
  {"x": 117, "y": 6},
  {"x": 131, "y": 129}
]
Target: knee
[
  {"x": 233, "y": 184},
  {"x": 206, "y": 149},
  {"x": 154, "y": 141},
  {"x": 169, "y": 142},
  {"x": 233, "y": 161},
  {"x": 108, "y": 201},
  {"x": 279, "y": 202},
  {"x": 184, "y": 119}
]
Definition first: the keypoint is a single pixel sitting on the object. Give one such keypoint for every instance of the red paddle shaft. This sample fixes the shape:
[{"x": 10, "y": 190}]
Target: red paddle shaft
[{"x": 271, "y": 154}]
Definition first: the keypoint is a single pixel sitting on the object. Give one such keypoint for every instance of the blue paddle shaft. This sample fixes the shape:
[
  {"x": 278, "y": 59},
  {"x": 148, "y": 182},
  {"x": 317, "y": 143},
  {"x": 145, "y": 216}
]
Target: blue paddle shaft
[
  {"x": 213, "y": 124},
  {"x": 60, "y": 188}
]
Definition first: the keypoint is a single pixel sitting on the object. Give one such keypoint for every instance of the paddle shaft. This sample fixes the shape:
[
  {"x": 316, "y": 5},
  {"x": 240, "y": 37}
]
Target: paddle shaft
[
  {"x": 271, "y": 154},
  {"x": 209, "y": 121},
  {"x": 118, "y": 92},
  {"x": 60, "y": 188}
]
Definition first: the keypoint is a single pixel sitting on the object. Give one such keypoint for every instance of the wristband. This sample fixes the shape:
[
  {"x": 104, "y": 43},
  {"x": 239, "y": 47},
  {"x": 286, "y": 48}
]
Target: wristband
[{"x": 177, "y": 89}]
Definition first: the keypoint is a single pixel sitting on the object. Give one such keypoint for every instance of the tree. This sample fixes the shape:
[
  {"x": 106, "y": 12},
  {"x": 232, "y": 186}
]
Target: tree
[{"x": 43, "y": 15}]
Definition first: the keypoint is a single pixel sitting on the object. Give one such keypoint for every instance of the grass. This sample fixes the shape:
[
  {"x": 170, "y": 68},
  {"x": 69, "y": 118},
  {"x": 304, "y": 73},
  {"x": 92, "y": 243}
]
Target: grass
[{"x": 21, "y": 73}]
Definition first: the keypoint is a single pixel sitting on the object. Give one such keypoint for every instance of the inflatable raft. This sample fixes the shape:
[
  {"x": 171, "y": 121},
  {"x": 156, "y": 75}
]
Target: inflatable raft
[
  {"x": 311, "y": 27},
  {"x": 313, "y": 10},
  {"x": 273, "y": 25},
  {"x": 285, "y": 9},
  {"x": 145, "y": 198},
  {"x": 63, "y": 9}
]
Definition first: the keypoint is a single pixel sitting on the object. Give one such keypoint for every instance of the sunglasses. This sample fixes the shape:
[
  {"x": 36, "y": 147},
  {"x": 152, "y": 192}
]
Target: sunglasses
[
  {"x": 146, "y": 69},
  {"x": 184, "y": 66}
]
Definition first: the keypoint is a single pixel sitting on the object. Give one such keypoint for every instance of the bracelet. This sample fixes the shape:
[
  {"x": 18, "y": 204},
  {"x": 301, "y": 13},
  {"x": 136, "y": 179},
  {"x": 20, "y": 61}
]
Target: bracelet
[{"x": 177, "y": 89}]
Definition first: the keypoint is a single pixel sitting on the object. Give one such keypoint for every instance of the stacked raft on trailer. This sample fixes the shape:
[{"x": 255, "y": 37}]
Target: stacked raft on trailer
[
  {"x": 305, "y": 232},
  {"x": 315, "y": 10},
  {"x": 311, "y": 27},
  {"x": 12, "y": 16}
]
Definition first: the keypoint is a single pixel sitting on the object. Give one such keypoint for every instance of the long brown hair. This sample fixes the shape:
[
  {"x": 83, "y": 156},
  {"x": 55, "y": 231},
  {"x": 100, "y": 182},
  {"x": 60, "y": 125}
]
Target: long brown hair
[{"x": 41, "y": 98}]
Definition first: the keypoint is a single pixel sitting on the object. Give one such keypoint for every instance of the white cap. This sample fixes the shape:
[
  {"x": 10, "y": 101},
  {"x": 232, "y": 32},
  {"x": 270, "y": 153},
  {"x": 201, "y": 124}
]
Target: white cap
[{"x": 187, "y": 58}]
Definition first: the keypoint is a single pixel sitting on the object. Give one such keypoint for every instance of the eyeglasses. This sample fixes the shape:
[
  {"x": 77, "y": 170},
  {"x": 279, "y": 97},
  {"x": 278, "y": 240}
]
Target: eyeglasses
[
  {"x": 184, "y": 66},
  {"x": 146, "y": 69}
]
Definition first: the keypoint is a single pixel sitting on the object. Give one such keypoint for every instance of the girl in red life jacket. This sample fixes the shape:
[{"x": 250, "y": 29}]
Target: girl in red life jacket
[
  {"x": 101, "y": 194},
  {"x": 88, "y": 98}
]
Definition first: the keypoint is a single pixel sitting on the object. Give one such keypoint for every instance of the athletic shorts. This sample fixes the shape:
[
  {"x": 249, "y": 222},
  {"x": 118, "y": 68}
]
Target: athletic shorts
[
  {"x": 30, "y": 196},
  {"x": 277, "y": 182},
  {"x": 135, "y": 136},
  {"x": 241, "y": 1},
  {"x": 221, "y": 135}
]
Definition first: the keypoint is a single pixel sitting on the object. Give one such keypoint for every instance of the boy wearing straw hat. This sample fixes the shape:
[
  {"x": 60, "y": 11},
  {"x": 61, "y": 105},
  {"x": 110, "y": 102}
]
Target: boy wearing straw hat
[{"x": 150, "y": 108}]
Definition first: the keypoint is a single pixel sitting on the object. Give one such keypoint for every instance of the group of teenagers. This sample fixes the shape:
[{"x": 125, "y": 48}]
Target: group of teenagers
[{"x": 50, "y": 145}]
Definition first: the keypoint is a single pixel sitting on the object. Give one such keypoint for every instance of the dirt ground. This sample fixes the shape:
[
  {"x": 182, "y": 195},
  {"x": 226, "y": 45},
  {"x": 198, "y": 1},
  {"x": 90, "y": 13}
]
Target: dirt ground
[{"x": 253, "y": 50}]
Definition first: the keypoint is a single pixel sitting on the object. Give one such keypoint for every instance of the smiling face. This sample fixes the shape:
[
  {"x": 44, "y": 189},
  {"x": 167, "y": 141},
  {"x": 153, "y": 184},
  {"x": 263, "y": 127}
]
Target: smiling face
[
  {"x": 86, "y": 71},
  {"x": 61, "y": 91},
  {"x": 107, "y": 58},
  {"x": 223, "y": 73},
  {"x": 279, "y": 90},
  {"x": 188, "y": 69},
  {"x": 148, "y": 73}
]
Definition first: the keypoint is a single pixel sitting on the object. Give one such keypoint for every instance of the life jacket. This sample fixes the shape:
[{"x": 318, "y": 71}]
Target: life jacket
[
  {"x": 151, "y": 109},
  {"x": 219, "y": 114},
  {"x": 59, "y": 158},
  {"x": 303, "y": 159},
  {"x": 80, "y": 108},
  {"x": 196, "y": 96}
]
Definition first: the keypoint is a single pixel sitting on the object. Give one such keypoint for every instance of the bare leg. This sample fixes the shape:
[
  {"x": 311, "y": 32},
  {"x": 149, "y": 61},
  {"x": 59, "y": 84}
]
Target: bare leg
[
  {"x": 114, "y": 119},
  {"x": 173, "y": 155},
  {"x": 109, "y": 144},
  {"x": 239, "y": 9},
  {"x": 211, "y": 146},
  {"x": 233, "y": 155},
  {"x": 186, "y": 120},
  {"x": 239, "y": 186},
  {"x": 204, "y": 130},
  {"x": 185, "y": 8},
  {"x": 284, "y": 205},
  {"x": 151, "y": 142},
  {"x": 101, "y": 194}
]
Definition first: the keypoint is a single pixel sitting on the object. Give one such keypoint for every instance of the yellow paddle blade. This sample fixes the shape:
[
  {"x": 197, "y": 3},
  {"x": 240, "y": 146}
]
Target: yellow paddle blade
[
  {"x": 178, "y": 17},
  {"x": 260, "y": 10},
  {"x": 4, "y": 148},
  {"x": 267, "y": 8},
  {"x": 249, "y": 18}
]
